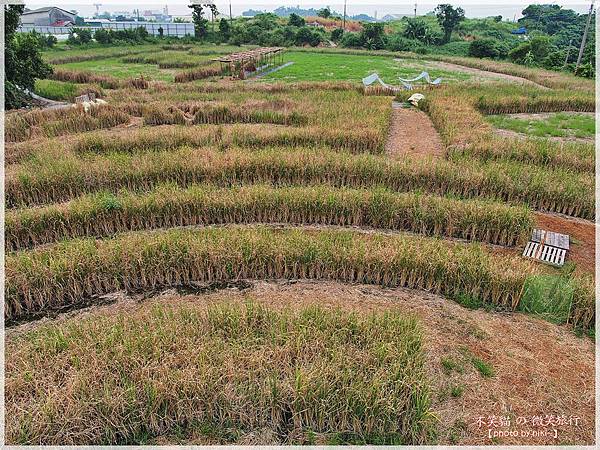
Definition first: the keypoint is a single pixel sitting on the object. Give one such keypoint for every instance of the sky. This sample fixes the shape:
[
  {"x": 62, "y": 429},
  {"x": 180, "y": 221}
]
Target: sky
[{"x": 473, "y": 8}]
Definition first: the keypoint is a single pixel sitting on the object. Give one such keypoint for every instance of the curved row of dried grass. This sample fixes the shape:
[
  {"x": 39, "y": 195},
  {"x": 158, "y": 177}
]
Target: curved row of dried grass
[
  {"x": 244, "y": 369},
  {"x": 57, "y": 122},
  {"x": 168, "y": 206},
  {"x": 75, "y": 76},
  {"x": 67, "y": 273},
  {"x": 51, "y": 180},
  {"x": 466, "y": 133},
  {"x": 163, "y": 138},
  {"x": 198, "y": 74}
]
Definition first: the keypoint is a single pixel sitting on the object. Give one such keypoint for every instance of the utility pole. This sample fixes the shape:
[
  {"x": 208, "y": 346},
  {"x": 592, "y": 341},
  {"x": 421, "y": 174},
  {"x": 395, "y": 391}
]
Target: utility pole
[
  {"x": 568, "y": 51},
  {"x": 230, "y": 15},
  {"x": 344, "y": 24},
  {"x": 585, "y": 33},
  {"x": 415, "y": 10}
]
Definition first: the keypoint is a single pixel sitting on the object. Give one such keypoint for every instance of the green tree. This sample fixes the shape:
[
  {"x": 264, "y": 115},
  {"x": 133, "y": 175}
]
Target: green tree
[
  {"x": 296, "y": 21},
  {"x": 200, "y": 23},
  {"x": 324, "y": 12},
  {"x": 213, "y": 14},
  {"x": 373, "y": 36},
  {"x": 487, "y": 48},
  {"x": 225, "y": 29},
  {"x": 448, "y": 18},
  {"x": 306, "y": 36},
  {"x": 419, "y": 30},
  {"x": 23, "y": 61},
  {"x": 78, "y": 36},
  {"x": 337, "y": 34}
]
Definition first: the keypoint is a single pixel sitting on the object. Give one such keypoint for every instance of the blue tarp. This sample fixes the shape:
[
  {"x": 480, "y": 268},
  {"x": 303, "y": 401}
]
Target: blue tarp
[{"x": 521, "y": 30}]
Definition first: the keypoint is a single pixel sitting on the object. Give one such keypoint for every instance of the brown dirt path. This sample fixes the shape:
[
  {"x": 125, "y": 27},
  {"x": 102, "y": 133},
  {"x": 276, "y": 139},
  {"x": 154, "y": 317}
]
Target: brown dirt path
[
  {"x": 412, "y": 134},
  {"x": 540, "y": 368},
  {"x": 583, "y": 238}
]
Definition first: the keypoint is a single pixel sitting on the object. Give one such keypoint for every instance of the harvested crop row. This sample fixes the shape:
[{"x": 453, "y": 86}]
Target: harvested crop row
[
  {"x": 51, "y": 123},
  {"x": 244, "y": 369},
  {"x": 198, "y": 74},
  {"x": 221, "y": 114},
  {"x": 465, "y": 132},
  {"x": 568, "y": 155},
  {"x": 510, "y": 104},
  {"x": 168, "y": 206},
  {"x": 160, "y": 138},
  {"x": 95, "y": 55},
  {"x": 53, "y": 180},
  {"x": 107, "y": 82},
  {"x": 66, "y": 273}
]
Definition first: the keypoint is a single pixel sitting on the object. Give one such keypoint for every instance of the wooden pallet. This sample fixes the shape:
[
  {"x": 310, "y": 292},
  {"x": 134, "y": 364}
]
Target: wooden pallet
[
  {"x": 545, "y": 253},
  {"x": 551, "y": 238},
  {"x": 547, "y": 247}
]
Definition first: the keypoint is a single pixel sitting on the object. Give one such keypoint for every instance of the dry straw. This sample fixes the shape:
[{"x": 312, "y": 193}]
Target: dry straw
[
  {"x": 50, "y": 180},
  {"x": 57, "y": 122},
  {"x": 168, "y": 206},
  {"x": 230, "y": 374},
  {"x": 67, "y": 273},
  {"x": 105, "y": 81}
]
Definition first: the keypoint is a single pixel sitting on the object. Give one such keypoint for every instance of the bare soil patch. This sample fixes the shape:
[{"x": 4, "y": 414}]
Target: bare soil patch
[
  {"x": 583, "y": 238},
  {"x": 540, "y": 368},
  {"x": 412, "y": 134},
  {"x": 516, "y": 135},
  {"x": 545, "y": 115},
  {"x": 485, "y": 75}
]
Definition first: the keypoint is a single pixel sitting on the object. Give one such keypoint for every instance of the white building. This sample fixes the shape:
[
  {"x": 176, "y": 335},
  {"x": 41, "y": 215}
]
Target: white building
[{"x": 50, "y": 16}]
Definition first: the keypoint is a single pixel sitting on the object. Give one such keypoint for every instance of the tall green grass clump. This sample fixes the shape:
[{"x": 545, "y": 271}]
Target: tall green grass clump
[{"x": 561, "y": 298}]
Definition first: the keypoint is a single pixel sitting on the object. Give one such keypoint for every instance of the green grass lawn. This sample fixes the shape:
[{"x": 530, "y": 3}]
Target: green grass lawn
[
  {"x": 55, "y": 90},
  {"x": 561, "y": 124},
  {"x": 117, "y": 68},
  {"x": 323, "y": 67}
]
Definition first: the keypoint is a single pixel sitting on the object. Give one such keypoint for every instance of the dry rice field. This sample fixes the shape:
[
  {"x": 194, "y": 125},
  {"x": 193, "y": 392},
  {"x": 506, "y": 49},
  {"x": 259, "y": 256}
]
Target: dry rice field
[{"x": 216, "y": 261}]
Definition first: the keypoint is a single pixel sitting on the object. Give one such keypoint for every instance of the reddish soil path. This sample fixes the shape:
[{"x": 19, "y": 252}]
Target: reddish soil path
[
  {"x": 583, "y": 238},
  {"x": 412, "y": 134}
]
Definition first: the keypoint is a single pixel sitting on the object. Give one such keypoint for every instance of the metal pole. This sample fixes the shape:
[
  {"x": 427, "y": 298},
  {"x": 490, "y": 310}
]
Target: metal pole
[
  {"x": 585, "y": 33},
  {"x": 344, "y": 24},
  {"x": 230, "y": 15},
  {"x": 415, "y": 10}
]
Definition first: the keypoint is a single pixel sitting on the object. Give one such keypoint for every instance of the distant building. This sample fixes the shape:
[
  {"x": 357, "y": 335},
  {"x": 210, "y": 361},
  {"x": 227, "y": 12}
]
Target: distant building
[
  {"x": 389, "y": 17},
  {"x": 50, "y": 16}
]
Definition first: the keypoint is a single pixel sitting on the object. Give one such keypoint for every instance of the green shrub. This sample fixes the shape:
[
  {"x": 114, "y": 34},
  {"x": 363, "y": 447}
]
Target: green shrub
[{"x": 487, "y": 48}]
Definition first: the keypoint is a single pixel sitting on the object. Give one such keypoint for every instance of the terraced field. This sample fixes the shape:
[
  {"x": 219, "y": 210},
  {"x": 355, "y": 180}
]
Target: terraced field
[{"x": 209, "y": 261}]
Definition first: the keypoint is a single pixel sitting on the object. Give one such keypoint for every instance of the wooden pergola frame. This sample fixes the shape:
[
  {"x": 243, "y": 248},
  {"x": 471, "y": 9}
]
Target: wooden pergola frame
[{"x": 234, "y": 64}]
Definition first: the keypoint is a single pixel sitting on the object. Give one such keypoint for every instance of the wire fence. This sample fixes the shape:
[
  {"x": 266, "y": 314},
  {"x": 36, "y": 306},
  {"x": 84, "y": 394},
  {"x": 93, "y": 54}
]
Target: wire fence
[{"x": 169, "y": 28}]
